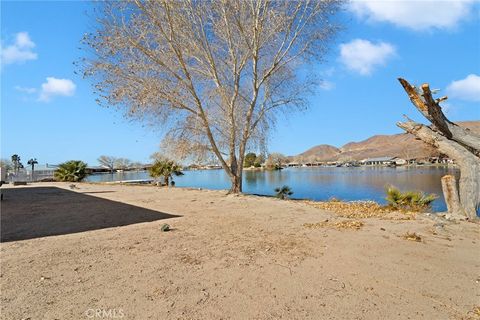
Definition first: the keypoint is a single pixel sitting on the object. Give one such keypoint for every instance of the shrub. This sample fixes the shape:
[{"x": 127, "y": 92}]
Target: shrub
[
  {"x": 249, "y": 160},
  {"x": 71, "y": 171},
  {"x": 165, "y": 169},
  {"x": 284, "y": 192},
  {"x": 409, "y": 200}
]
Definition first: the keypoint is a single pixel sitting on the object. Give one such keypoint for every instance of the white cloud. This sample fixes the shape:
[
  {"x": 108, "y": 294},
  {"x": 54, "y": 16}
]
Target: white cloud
[
  {"x": 26, "y": 90},
  {"x": 20, "y": 51},
  {"x": 416, "y": 15},
  {"x": 327, "y": 85},
  {"x": 465, "y": 89},
  {"x": 363, "y": 56},
  {"x": 56, "y": 87}
]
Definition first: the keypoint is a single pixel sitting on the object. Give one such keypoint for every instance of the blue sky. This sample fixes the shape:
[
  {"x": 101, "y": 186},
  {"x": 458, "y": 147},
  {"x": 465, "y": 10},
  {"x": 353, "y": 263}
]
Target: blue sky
[{"x": 50, "y": 113}]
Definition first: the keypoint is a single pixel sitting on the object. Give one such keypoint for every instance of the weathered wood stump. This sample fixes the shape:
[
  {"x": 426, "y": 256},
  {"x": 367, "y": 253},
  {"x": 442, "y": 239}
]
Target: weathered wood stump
[
  {"x": 458, "y": 143},
  {"x": 450, "y": 193}
]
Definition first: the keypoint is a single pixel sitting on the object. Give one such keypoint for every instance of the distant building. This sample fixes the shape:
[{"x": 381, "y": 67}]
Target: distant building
[
  {"x": 379, "y": 161},
  {"x": 294, "y": 164},
  {"x": 400, "y": 161},
  {"x": 42, "y": 169},
  {"x": 440, "y": 160}
]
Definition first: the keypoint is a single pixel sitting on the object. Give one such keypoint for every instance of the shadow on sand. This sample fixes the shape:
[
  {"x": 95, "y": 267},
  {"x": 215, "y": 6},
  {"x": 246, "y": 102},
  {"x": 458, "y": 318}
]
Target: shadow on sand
[{"x": 28, "y": 213}]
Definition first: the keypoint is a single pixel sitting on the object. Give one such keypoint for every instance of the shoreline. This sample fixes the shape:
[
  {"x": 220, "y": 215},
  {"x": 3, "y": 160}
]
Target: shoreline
[
  {"x": 149, "y": 183},
  {"x": 226, "y": 191}
]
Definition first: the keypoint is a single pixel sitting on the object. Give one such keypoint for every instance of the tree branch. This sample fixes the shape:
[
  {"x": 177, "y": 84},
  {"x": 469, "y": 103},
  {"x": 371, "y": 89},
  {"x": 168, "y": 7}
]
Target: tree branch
[{"x": 431, "y": 109}]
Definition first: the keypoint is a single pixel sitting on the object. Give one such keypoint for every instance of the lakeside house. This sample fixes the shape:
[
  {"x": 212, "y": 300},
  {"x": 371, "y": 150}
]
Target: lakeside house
[
  {"x": 294, "y": 164},
  {"x": 383, "y": 161}
]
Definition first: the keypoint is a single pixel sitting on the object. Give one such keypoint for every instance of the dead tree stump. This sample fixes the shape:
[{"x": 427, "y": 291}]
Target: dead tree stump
[
  {"x": 458, "y": 143},
  {"x": 450, "y": 193}
]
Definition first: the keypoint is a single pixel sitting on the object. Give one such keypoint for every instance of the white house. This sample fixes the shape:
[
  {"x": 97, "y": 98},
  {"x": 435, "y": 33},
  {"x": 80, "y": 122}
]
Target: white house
[{"x": 379, "y": 161}]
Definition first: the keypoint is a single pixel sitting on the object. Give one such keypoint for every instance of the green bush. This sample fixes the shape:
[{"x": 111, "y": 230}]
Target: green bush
[
  {"x": 166, "y": 169},
  {"x": 409, "y": 200},
  {"x": 249, "y": 160},
  {"x": 283, "y": 193},
  {"x": 71, "y": 171}
]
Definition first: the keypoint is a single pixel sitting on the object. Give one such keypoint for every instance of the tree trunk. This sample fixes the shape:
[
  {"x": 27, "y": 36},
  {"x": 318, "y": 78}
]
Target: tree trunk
[
  {"x": 430, "y": 108},
  {"x": 166, "y": 178},
  {"x": 450, "y": 192},
  {"x": 470, "y": 189},
  {"x": 236, "y": 168},
  {"x": 236, "y": 180},
  {"x": 468, "y": 163},
  {"x": 457, "y": 143},
  {"x": 236, "y": 183}
]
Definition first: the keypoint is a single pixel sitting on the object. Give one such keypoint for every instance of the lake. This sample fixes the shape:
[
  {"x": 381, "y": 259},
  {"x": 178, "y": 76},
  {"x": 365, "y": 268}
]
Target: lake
[{"x": 316, "y": 183}]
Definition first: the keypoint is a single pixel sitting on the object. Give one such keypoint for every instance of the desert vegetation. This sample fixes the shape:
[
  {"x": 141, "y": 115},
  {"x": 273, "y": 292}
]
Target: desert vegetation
[
  {"x": 16, "y": 163},
  {"x": 165, "y": 169},
  {"x": 71, "y": 171},
  {"x": 283, "y": 192},
  {"x": 409, "y": 200},
  {"x": 253, "y": 160},
  {"x": 276, "y": 161}
]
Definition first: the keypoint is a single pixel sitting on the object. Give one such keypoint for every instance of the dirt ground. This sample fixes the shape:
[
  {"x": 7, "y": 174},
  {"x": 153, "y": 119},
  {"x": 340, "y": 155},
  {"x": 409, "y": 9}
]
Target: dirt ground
[{"x": 98, "y": 251}]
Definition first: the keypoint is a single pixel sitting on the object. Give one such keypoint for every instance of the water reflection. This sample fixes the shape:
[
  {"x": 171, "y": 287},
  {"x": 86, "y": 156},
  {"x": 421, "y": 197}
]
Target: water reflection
[{"x": 317, "y": 183}]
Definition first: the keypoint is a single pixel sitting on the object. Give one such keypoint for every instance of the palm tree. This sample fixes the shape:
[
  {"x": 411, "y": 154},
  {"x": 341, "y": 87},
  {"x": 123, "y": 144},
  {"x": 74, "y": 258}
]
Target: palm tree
[
  {"x": 411, "y": 200},
  {"x": 71, "y": 171},
  {"x": 284, "y": 192},
  {"x": 165, "y": 169},
  {"x": 17, "y": 165},
  {"x": 32, "y": 162}
]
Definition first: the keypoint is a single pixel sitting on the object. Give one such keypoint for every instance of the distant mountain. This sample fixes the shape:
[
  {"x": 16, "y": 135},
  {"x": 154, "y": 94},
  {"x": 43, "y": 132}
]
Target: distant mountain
[
  {"x": 324, "y": 151},
  {"x": 401, "y": 145}
]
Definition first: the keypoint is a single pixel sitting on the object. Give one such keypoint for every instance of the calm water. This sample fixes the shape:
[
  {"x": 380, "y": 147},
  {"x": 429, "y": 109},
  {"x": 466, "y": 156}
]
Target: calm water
[{"x": 316, "y": 183}]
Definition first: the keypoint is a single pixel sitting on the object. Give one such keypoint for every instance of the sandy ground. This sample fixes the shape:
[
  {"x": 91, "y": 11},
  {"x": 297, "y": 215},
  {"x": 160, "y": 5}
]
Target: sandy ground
[{"x": 98, "y": 252}]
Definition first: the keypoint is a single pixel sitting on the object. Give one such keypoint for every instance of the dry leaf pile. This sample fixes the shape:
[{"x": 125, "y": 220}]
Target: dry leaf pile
[
  {"x": 339, "y": 225},
  {"x": 476, "y": 311},
  {"x": 361, "y": 210}
]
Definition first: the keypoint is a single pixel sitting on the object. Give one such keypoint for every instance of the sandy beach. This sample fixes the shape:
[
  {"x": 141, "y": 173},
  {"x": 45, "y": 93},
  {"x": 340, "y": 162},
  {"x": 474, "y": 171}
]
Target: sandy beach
[{"x": 98, "y": 251}]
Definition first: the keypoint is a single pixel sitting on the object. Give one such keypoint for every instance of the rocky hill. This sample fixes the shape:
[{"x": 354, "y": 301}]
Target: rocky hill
[{"x": 401, "y": 145}]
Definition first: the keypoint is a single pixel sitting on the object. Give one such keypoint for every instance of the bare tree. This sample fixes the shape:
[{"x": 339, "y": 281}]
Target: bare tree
[
  {"x": 122, "y": 164},
  {"x": 276, "y": 161},
  {"x": 108, "y": 162},
  {"x": 158, "y": 156},
  {"x": 458, "y": 143},
  {"x": 6, "y": 164},
  {"x": 137, "y": 165},
  {"x": 214, "y": 73}
]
